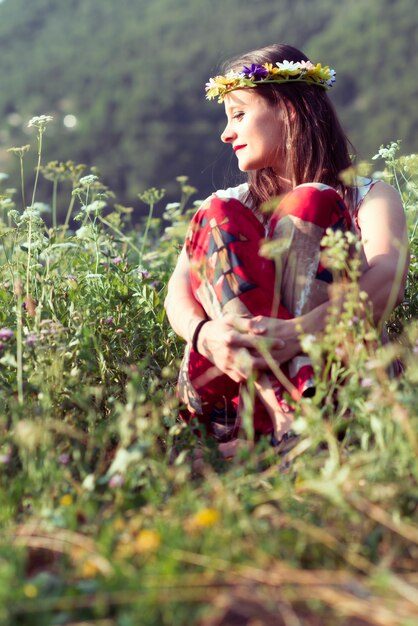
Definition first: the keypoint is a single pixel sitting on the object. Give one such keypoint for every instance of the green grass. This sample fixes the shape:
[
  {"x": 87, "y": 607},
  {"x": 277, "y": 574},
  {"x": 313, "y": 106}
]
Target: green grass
[{"x": 102, "y": 524}]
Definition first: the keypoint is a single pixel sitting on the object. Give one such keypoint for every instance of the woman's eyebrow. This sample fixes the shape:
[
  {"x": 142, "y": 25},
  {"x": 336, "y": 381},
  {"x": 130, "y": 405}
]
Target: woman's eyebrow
[{"x": 233, "y": 107}]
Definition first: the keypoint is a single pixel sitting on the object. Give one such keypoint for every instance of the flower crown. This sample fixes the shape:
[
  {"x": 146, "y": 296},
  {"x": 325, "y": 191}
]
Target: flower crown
[{"x": 283, "y": 72}]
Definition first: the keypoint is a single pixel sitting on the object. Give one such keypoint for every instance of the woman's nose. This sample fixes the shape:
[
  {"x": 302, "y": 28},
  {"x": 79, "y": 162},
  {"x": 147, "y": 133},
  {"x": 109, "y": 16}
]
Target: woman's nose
[{"x": 228, "y": 135}]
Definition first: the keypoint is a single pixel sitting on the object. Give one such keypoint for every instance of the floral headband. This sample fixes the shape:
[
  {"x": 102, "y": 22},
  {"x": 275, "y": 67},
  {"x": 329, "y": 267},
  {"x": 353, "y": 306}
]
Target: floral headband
[{"x": 284, "y": 72}]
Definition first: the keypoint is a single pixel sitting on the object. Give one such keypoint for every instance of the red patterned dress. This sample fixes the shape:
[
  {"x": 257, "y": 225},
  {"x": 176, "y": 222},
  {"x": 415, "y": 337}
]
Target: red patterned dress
[{"x": 228, "y": 275}]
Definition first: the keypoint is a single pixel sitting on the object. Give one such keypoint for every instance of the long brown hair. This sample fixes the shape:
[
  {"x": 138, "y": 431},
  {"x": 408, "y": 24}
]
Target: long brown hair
[{"x": 314, "y": 142}]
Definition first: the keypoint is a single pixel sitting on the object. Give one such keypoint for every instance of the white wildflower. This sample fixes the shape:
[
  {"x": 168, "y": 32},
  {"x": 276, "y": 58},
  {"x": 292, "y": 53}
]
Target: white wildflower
[
  {"x": 40, "y": 121},
  {"x": 289, "y": 66},
  {"x": 89, "y": 179}
]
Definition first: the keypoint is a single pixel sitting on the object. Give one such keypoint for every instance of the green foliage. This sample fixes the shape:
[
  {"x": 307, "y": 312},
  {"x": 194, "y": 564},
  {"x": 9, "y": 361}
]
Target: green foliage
[{"x": 114, "y": 512}]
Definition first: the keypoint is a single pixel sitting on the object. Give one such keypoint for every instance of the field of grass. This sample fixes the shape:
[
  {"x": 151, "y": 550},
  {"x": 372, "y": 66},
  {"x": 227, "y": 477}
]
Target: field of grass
[{"x": 106, "y": 519}]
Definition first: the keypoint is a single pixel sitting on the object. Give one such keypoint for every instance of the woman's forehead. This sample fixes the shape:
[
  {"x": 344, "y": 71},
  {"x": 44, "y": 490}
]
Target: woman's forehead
[{"x": 241, "y": 97}]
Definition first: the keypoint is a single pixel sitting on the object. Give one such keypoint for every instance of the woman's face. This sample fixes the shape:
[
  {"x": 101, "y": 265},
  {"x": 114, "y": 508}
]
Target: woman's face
[{"x": 255, "y": 130}]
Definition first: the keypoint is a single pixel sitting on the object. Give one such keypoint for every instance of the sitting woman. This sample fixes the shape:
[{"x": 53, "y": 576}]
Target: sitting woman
[{"x": 224, "y": 298}]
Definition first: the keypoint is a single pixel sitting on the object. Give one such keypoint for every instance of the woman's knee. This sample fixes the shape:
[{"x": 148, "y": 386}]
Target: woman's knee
[{"x": 316, "y": 203}]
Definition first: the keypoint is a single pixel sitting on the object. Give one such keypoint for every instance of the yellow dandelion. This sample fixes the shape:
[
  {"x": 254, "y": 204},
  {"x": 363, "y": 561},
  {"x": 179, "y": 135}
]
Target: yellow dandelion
[
  {"x": 30, "y": 591},
  {"x": 205, "y": 518},
  {"x": 147, "y": 540},
  {"x": 66, "y": 500}
]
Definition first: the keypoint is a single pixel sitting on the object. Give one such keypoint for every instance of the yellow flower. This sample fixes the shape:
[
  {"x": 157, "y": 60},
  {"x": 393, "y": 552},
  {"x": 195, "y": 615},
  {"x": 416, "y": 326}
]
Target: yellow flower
[
  {"x": 30, "y": 591},
  {"x": 118, "y": 524},
  {"x": 66, "y": 500},
  {"x": 89, "y": 569},
  {"x": 204, "y": 519},
  {"x": 147, "y": 541}
]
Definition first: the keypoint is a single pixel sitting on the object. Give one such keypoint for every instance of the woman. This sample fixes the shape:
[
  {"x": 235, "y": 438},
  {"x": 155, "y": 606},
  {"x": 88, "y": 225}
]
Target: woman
[{"x": 226, "y": 300}]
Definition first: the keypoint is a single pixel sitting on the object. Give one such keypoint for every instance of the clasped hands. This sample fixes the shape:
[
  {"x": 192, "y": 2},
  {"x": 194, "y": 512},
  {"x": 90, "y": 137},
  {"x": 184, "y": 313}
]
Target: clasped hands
[{"x": 236, "y": 344}]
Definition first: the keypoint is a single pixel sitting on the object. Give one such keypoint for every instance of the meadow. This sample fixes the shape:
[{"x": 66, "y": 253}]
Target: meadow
[{"x": 106, "y": 518}]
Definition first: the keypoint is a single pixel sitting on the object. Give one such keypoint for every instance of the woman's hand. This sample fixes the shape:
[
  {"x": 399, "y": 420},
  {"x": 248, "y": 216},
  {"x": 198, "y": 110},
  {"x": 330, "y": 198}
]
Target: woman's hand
[
  {"x": 230, "y": 345},
  {"x": 280, "y": 337}
]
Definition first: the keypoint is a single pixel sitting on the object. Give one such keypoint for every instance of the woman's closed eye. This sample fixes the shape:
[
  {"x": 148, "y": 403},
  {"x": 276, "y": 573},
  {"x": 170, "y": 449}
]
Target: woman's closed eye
[{"x": 238, "y": 115}]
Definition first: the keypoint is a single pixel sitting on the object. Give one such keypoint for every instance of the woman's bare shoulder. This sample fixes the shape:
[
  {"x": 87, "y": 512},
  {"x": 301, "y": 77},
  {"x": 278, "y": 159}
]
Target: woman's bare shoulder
[{"x": 382, "y": 198}]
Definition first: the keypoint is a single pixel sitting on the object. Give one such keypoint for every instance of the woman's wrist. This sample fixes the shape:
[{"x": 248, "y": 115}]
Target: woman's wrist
[{"x": 196, "y": 334}]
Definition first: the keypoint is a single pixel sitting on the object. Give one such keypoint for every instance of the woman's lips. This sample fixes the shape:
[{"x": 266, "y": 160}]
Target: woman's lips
[{"x": 236, "y": 148}]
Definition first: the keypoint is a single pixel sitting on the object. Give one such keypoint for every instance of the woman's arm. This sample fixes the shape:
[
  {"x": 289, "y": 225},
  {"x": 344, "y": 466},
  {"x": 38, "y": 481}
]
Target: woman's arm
[
  {"x": 385, "y": 243},
  {"x": 223, "y": 341},
  {"x": 183, "y": 310}
]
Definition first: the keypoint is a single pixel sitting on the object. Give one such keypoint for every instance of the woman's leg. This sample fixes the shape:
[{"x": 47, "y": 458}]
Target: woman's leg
[
  {"x": 300, "y": 221},
  {"x": 228, "y": 275}
]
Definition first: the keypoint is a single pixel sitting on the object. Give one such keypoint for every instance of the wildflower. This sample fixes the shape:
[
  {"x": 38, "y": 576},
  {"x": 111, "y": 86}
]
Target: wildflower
[
  {"x": 387, "y": 152},
  {"x": 88, "y": 180},
  {"x": 256, "y": 71},
  {"x": 117, "y": 260},
  {"x": 40, "y": 121},
  {"x": 64, "y": 458},
  {"x": 30, "y": 591},
  {"x": 143, "y": 273},
  {"x": 5, "y": 458},
  {"x": 204, "y": 518},
  {"x": 108, "y": 321},
  {"x": 41, "y": 207},
  {"x": 152, "y": 195},
  {"x": 367, "y": 382},
  {"x": 289, "y": 66},
  {"x": 147, "y": 541},
  {"x": 117, "y": 480},
  {"x": 89, "y": 569},
  {"x": 20, "y": 151},
  {"x": 31, "y": 339},
  {"x": 66, "y": 500},
  {"x": 6, "y": 334}
]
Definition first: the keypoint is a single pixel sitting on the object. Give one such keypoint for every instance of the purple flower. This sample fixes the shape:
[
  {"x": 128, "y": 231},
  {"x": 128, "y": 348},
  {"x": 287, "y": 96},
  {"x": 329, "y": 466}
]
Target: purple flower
[
  {"x": 5, "y": 458},
  {"x": 64, "y": 458},
  {"x": 108, "y": 321},
  {"x": 31, "y": 339},
  {"x": 6, "y": 334},
  {"x": 117, "y": 260},
  {"x": 256, "y": 71}
]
